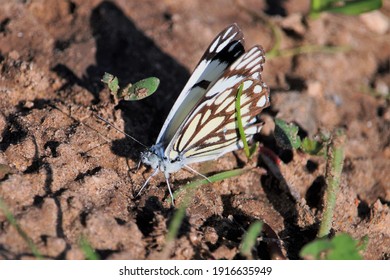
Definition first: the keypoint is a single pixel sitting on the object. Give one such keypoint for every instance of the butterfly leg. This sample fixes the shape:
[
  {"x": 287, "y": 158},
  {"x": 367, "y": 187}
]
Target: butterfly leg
[
  {"x": 147, "y": 181},
  {"x": 196, "y": 172},
  {"x": 169, "y": 188},
  {"x": 170, "y": 191}
]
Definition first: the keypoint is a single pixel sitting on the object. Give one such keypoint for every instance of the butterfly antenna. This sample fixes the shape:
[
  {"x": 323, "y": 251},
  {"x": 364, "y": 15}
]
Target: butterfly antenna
[
  {"x": 146, "y": 182},
  {"x": 196, "y": 172},
  {"x": 113, "y": 126}
]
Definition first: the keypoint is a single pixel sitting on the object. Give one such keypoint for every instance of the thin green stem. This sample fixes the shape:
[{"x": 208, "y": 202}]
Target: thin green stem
[
  {"x": 306, "y": 49},
  {"x": 334, "y": 167},
  {"x": 214, "y": 178},
  {"x": 239, "y": 122}
]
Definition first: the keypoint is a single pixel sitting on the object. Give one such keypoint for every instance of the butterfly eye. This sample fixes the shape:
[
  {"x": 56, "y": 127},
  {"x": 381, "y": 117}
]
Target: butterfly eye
[{"x": 145, "y": 156}]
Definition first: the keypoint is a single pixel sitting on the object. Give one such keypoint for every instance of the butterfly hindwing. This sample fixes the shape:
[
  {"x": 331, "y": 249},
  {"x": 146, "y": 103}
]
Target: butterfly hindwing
[
  {"x": 221, "y": 53},
  {"x": 211, "y": 130}
]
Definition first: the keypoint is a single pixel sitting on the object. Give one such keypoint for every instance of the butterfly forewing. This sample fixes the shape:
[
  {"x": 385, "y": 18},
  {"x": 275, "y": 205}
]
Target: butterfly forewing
[
  {"x": 222, "y": 52},
  {"x": 211, "y": 130}
]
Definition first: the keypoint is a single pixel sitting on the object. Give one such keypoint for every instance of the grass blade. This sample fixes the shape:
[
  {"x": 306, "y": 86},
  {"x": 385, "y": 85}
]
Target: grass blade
[
  {"x": 356, "y": 7},
  {"x": 250, "y": 238},
  {"x": 239, "y": 122},
  {"x": 214, "y": 178}
]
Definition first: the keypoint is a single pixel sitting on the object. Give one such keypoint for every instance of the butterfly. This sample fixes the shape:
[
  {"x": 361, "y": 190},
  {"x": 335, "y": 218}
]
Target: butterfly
[{"x": 201, "y": 125}]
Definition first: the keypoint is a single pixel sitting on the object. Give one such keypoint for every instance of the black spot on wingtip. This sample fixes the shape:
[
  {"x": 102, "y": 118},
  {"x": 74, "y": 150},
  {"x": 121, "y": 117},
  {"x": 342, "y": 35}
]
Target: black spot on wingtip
[{"x": 202, "y": 84}]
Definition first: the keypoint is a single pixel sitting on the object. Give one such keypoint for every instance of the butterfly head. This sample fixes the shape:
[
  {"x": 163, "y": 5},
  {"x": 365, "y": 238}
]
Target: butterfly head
[
  {"x": 149, "y": 157},
  {"x": 155, "y": 158}
]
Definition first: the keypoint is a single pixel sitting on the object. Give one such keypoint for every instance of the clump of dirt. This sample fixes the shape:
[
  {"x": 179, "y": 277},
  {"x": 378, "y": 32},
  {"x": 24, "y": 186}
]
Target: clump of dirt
[{"x": 66, "y": 175}]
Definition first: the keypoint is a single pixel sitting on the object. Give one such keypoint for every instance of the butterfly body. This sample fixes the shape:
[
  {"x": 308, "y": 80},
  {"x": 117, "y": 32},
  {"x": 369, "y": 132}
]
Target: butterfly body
[
  {"x": 202, "y": 123},
  {"x": 155, "y": 158}
]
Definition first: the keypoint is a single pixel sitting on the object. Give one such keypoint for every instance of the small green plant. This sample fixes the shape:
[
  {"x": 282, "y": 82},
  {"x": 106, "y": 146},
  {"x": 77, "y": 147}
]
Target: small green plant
[
  {"x": 349, "y": 7},
  {"x": 131, "y": 92},
  {"x": 286, "y": 136},
  {"x": 340, "y": 247}
]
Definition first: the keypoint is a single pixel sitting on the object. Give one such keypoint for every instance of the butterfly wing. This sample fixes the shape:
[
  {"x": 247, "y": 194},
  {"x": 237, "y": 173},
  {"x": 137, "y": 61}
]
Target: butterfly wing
[
  {"x": 211, "y": 131},
  {"x": 221, "y": 53}
]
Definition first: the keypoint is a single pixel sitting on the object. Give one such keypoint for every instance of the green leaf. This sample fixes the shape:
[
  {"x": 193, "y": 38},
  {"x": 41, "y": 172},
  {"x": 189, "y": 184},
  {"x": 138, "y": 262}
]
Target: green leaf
[
  {"x": 138, "y": 91},
  {"x": 311, "y": 146},
  {"x": 141, "y": 89},
  {"x": 313, "y": 250},
  {"x": 112, "y": 82},
  {"x": 250, "y": 238},
  {"x": 355, "y": 7},
  {"x": 340, "y": 247},
  {"x": 344, "y": 247},
  {"x": 286, "y": 135}
]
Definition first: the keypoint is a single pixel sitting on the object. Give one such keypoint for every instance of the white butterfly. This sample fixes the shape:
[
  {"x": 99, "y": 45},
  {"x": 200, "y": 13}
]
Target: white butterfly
[{"x": 201, "y": 125}]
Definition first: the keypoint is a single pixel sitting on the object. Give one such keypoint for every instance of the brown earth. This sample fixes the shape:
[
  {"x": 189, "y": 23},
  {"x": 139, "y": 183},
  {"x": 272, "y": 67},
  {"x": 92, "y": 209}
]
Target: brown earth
[{"x": 65, "y": 174}]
